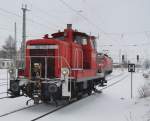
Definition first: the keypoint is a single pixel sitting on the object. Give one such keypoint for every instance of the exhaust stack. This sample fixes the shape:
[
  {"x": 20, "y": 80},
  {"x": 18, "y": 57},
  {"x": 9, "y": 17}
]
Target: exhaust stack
[{"x": 69, "y": 26}]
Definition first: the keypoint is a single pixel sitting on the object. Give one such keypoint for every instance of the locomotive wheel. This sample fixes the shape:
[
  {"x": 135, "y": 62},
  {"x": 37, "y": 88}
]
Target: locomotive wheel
[
  {"x": 79, "y": 95},
  {"x": 89, "y": 92}
]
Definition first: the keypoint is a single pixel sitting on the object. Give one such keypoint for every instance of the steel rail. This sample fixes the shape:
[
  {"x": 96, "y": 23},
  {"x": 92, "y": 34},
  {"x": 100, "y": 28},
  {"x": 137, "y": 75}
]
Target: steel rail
[
  {"x": 2, "y": 93},
  {"x": 3, "y": 82},
  {"x": 4, "y": 97},
  {"x": 51, "y": 111},
  {"x": 116, "y": 82},
  {"x": 17, "y": 110},
  {"x": 2, "y": 85},
  {"x": 3, "y": 79},
  {"x": 115, "y": 76}
]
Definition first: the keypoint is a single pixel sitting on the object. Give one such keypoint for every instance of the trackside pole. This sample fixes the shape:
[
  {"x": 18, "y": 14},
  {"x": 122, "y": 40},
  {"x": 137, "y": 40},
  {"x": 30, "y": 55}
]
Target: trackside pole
[
  {"x": 131, "y": 86},
  {"x": 131, "y": 68}
]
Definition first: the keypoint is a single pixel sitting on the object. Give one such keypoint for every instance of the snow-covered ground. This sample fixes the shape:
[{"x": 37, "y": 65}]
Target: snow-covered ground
[
  {"x": 3, "y": 82},
  {"x": 114, "y": 104}
]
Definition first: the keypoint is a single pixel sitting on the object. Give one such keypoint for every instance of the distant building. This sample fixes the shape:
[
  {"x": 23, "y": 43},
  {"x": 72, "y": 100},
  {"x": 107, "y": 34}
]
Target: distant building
[{"x": 5, "y": 63}]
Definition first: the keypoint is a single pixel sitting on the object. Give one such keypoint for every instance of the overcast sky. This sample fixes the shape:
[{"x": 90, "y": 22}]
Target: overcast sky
[{"x": 122, "y": 24}]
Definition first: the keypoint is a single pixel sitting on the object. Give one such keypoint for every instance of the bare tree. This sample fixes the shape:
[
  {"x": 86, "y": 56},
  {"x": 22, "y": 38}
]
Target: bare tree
[
  {"x": 146, "y": 64},
  {"x": 9, "y": 48}
]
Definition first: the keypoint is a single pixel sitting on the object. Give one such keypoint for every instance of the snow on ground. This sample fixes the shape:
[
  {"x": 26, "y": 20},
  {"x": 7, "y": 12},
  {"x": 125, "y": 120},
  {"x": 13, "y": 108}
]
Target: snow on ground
[
  {"x": 114, "y": 104},
  {"x": 140, "y": 109},
  {"x": 3, "y": 82},
  {"x": 111, "y": 105}
]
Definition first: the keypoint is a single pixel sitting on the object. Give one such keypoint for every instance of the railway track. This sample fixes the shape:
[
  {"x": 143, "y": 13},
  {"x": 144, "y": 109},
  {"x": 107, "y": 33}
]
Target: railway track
[
  {"x": 3, "y": 79},
  {"x": 37, "y": 118},
  {"x": 52, "y": 111},
  {"x": 17, "y": 110},
  {"x": 3, "y": 82},
  {"x": 113, "y": 77},
  {"x": 110, "y": 85},
  {"x": 4, "y": 97},
  {"x": 62, "y": 106},
  {"x": 3, "y": 85},
  {"x": 3, "y": 93}
]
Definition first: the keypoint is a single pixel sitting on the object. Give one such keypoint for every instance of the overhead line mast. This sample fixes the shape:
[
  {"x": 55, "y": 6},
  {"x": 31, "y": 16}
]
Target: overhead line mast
[
  {"x": 24, "y": 9},
  {"x": 15, "y": 41}
]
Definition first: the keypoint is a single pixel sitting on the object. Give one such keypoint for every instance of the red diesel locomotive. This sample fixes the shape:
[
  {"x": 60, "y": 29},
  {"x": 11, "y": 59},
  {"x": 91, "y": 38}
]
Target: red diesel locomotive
[{"x": 60, "y": 67}]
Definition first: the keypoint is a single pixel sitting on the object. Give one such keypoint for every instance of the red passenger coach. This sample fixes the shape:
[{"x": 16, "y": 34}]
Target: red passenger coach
[
  {"x": 63, "y": 66},
  {"x": 104, "y": 63}
]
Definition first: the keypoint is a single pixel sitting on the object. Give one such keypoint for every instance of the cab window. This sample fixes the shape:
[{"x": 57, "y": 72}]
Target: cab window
[
  {"x": 80, "y": 39},
  {"x": 59, "y": 37},
  {"x": 93, "y": 44},
  {"x": 84, "y": 41}
]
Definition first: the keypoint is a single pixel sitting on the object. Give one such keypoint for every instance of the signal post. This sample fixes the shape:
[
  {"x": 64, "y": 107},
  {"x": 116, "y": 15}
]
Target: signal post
[{"x": 131, "y": 68}]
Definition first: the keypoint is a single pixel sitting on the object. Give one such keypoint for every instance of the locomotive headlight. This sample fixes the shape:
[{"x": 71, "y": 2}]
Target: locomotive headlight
[
  {"x": 10, "y": 71},
  {"x": 65, "y": 71}
]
